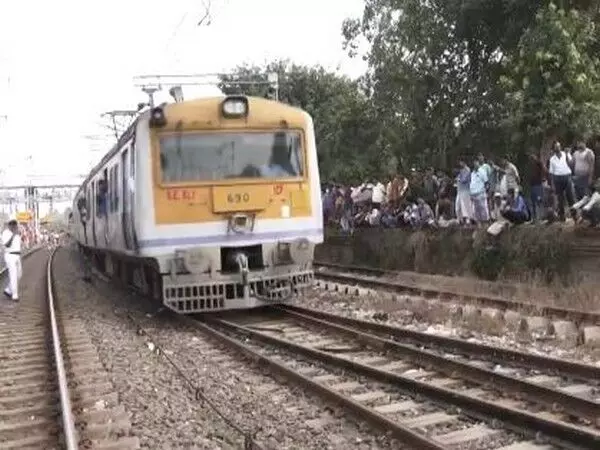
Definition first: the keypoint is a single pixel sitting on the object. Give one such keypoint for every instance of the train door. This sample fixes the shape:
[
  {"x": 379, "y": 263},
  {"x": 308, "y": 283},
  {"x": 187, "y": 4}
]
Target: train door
[
  {"x": 93, "y": 211},
  {"x": 106, "y": 199},
  {"x": 81, "y": 210},
  {"x": 116, "y": 216},
  {"x": 127, "y": 172}
]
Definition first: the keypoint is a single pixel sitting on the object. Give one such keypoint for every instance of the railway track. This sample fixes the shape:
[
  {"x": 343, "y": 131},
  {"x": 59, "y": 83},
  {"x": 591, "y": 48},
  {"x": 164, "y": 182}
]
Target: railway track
[
  {"x": 429, "y": 398},
  {"x": 428, "y": 392},
  {"x": 403, "y": 283},
  {"x": 54, "y": 392}
]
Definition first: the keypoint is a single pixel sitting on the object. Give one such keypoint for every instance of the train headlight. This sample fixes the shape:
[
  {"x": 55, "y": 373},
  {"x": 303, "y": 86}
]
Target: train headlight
[
  {"x": 301, "y": 251},
  {"x": 196, "y": 261},
  {"x": 157, "y": 118},
  {"x": 241, "y": 223},
  {"x": 235, "y": 107}
]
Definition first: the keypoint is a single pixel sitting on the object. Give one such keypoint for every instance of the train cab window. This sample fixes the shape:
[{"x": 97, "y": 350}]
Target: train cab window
[{"x": 219, "y": 156}]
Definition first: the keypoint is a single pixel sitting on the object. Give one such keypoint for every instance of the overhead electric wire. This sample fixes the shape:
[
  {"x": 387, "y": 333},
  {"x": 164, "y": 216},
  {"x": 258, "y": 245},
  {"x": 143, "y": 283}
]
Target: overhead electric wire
[{"x": 206, "y": 18}]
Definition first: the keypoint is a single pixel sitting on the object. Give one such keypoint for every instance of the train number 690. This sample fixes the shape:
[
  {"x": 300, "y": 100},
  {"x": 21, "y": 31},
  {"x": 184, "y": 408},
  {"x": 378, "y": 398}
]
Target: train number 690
[{"x": 238, "y": 198}]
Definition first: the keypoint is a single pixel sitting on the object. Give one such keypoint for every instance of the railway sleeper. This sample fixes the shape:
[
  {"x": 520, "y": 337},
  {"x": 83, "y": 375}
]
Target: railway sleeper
[{"x": 517, "y": 419}]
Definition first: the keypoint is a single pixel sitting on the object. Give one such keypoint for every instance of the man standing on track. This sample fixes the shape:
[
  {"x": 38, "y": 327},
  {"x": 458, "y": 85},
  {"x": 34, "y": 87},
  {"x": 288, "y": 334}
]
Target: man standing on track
[
  {"x": 12, "y": 257},
  {"x": 86, "y": 263}
]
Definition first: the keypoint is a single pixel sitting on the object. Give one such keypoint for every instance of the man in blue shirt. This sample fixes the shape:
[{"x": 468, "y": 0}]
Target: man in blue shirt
[{"x": 516, "y": 210}]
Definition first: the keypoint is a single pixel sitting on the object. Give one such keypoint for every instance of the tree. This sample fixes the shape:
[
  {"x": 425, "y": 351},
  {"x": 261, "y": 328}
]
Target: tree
[
  {"x": 446, "y": 75},
  {"x": 553, "y": 79},
  {"x": 434, "y": 66},
  {"x": 346, "y": 128}
]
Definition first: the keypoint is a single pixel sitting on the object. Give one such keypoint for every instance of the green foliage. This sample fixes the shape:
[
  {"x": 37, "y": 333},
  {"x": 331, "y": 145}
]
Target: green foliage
[
  {"x": 434, "y": 65},
  {"x": 488, "y": 261},
  {"x": 553, "y": 78},
  {"x": 449, "y": 77},
  {"x": 524, "y": 251},
  {"x": 346, "y": 127}
]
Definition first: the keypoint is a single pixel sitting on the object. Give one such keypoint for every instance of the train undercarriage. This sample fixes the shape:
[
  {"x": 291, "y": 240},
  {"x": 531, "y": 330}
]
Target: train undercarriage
[{"x": 188, "y": 293}]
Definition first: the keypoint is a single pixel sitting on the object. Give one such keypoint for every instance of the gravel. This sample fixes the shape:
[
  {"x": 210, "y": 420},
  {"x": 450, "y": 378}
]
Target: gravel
[
  {"x": 163, "y": 409},
  {"x": 426, "y": 316},
  {"x": 335, "y": 376}
]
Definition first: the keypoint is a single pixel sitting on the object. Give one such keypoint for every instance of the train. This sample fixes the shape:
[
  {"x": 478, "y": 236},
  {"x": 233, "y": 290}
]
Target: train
[{"x": 207, "y": 204}]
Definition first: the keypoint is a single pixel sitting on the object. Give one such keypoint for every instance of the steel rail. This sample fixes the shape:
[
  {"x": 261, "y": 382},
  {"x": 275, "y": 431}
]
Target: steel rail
[
  {"x": 561, "y": 433},
  {"x": 417, "y": 288},
  {"x": 408, "y": 436},
  {"x": 535, "y": 393},
  {"x": 488, "y": 352},
  {"x": 70, "y": 435}
]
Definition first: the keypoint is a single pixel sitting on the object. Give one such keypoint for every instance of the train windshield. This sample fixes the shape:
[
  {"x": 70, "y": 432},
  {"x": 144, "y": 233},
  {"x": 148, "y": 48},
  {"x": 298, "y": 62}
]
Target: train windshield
[{"x": 189, "y": 157}]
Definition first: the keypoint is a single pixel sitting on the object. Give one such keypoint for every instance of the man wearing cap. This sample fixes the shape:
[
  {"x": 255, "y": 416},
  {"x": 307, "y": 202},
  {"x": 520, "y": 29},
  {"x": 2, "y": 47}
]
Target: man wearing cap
[{"x": 12, "y": 258}]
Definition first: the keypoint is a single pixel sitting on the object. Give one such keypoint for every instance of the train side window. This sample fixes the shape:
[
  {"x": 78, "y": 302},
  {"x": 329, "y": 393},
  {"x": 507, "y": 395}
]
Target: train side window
[
  {"x": 110, "y": 190},
  {"x": 106, "y": 198},
  {"x": 101, "y": 197},
  {"x": 88, "y": 193},
  {"x": 116, "y": 186},
  {"x": 113, "y": 190},
  {"x": 105, "y": 182},
  {"x": 95, "y": 194}
]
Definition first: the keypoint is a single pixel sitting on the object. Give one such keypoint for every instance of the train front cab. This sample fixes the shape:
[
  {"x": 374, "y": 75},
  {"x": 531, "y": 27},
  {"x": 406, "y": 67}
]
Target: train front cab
[
  {"x": 237, "y": 277},
  {"x": 245, "y": 231}
]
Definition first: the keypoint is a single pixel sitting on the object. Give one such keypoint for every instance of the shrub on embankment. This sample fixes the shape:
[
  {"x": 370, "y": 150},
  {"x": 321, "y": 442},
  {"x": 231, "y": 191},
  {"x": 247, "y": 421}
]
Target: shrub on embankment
[{"x": 524, "y": 252}]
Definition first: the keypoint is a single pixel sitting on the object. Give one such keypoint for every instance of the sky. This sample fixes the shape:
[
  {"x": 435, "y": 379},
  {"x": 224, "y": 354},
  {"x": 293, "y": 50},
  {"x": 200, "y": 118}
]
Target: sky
[{"x": 72, "y": 60}]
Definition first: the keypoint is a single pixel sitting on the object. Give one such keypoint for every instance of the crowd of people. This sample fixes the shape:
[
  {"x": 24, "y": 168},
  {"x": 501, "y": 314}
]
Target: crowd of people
[
  {"x": 29, "y": 235},
  {"x": 481, "y": 192}
]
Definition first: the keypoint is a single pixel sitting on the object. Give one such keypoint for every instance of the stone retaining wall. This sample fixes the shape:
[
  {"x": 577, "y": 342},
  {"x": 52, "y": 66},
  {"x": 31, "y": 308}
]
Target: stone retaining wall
[{"x": 551, "y": 253}]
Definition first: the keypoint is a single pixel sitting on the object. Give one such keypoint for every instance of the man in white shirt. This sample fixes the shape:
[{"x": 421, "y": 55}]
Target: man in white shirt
[
  {"x": 11, "y": 240},
  {"x": 85, "y": 262},
  {"x": 374, "y": 217},
  {"x": 559, "y": 168},
  {"x": 379, "y": 194}
]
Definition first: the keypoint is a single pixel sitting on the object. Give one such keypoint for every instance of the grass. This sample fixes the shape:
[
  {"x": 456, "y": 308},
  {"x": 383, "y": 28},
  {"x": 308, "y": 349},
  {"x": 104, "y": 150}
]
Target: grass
[
  {"x": 545, "y": 266},
  {"x": 583, "y": 295}
]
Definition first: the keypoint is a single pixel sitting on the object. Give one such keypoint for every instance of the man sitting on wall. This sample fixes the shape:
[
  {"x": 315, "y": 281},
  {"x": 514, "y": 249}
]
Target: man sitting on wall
[
  {"x": 515, "y": 211},
  {"x": 588, "y": 208}
]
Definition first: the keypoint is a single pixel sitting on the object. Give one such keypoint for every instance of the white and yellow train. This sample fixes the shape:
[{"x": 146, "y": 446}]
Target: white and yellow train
[{"x": 208, "y": 204}]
